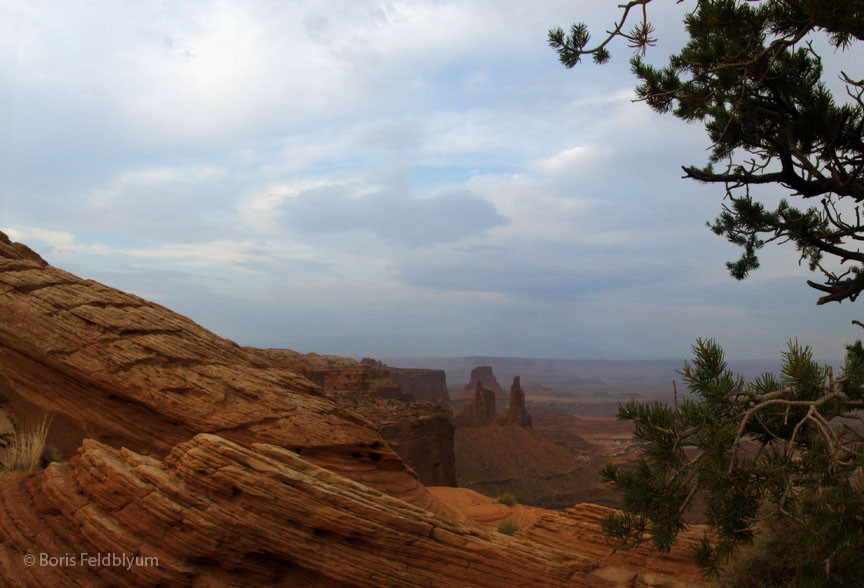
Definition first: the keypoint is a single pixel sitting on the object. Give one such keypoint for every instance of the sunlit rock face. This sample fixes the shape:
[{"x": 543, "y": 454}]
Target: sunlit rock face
[
  {"x": 195, "y": 462},
  {"x": 116, "y": 368}
]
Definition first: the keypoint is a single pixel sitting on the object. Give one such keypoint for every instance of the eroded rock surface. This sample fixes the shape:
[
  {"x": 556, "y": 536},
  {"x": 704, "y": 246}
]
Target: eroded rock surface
[
  {"x": 226, "y": 467},
  {"x": 114, "y": 367},
  {"x": 420, "y": 433},
  {"x": 216, "y": 513},
  {"x": 578, "y": 531}
]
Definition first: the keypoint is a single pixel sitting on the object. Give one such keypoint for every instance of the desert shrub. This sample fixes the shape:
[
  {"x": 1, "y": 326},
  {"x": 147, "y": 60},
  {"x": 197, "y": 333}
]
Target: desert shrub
[
  {"x": 507, "y": 498},
  {"x": 508, "y": 526},
  {"x": 771, "y": 562},
  {"x": 27, "y": 448}
]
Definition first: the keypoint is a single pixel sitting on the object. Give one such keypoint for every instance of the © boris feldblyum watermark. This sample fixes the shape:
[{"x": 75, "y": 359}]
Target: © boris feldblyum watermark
[{"x": 90, "y": 560}]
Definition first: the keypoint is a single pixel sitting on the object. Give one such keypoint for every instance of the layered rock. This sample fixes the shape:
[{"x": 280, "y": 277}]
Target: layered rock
[
  {"x": 423, "y": 385},
  {"x": 578, "y": 529},
  {"x": 217, "y": 513},
  {"x": 420, "y": 433},
  {"x": 130, "y": 373},
  {"x": 202, "y": 463},
  {"x": 423, "y": 438},
  {"x": 340, "y": 375},
  {"x": 517, "y": 413}
]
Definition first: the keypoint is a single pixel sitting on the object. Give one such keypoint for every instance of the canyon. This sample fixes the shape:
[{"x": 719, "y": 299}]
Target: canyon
[{"x": 221, "y": 465}]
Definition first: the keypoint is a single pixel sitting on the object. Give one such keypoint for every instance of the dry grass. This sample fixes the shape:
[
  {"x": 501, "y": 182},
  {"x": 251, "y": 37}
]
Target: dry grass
[
  {"x": 507, "y": 498},
  {"x": 508, "y": 526},
  {"x": 25, "y": 452}
]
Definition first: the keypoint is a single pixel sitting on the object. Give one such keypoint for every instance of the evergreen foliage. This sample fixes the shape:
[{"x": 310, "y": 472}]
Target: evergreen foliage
[
  {"x": 784, "y": 448},
  {"x": 752, "y": 75}
]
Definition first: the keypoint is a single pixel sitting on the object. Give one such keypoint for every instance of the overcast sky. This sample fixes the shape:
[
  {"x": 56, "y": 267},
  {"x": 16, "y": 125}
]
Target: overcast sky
[{"x": 370, "y": 177}]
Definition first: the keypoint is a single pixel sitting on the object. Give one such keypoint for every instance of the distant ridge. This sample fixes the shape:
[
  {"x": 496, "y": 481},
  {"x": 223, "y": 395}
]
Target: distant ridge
[{"x": 613, "y": 377}]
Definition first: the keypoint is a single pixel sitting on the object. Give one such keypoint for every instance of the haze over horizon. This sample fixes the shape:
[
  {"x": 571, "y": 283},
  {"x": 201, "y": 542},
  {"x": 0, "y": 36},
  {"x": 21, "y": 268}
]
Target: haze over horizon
[{"x": 381, "y": 178}]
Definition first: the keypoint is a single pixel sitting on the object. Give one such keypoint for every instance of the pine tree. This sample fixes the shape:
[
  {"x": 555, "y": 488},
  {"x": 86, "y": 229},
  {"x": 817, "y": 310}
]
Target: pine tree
[
  {"x": 784, "y": 448},
  {"x": 751, "y": 74}
]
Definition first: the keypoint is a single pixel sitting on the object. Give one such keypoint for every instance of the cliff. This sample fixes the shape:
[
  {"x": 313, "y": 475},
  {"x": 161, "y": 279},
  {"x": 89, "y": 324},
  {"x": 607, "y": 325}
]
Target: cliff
[
  {"x": 420, "y": 433},
  {"x": 423, "y": 437},
  {"x": 482, "y": 375},
  {"x": 113, "y": 367},
  {"x": 423, "y": 385},
  {"x": 210, "y": 465},
  {"x": 339, "y": 375}
]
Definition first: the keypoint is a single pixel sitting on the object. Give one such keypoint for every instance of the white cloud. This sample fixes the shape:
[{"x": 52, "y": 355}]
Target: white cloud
[
  {"x": 574, "y": 161},
  {"x": 423, "y": 163},
  {"x": 59, "y": 239},
  {"x": 142, "y": 183}
]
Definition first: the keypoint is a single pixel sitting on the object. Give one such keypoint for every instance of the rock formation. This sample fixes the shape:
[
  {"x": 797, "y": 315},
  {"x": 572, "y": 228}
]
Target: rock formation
[
  {"x": 421, "y": 434},
  {"x": 216, "y": 513},
  {"x": 517, "y": 413},
  {"x": 116, "y": 368},
  {"x": 578, "y": 530},
  {"x": 479, "y": 412},
  {"x": 340, "y": 375},
  {"x": 423, "y": 385},
  {"x": 201, "y": 463},
  {"x": 423, "y": 437},
  {"x": 482, "y": 375}
]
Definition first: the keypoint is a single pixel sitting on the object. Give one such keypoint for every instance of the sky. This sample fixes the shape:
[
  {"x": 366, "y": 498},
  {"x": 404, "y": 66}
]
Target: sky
[{"x": 381, "y": 178}]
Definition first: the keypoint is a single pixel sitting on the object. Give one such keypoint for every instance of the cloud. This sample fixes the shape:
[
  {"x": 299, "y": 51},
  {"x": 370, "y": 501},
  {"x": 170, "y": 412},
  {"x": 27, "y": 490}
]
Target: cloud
[
  {"x": 536, "y": 280},
  {"x": 54, "y": 239},
  {"x": 394, "y": 214},
  {"x": 363, "y": 174}
]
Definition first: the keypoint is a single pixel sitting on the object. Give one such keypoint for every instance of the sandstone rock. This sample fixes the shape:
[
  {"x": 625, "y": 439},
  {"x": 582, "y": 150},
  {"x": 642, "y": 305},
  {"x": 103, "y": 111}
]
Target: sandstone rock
[
  {"x": 578, "y": 531},
  {"x": 130, "y": 373},
  {"x": 217, "y": 513},
  {"x": 481, "y": 411},
  {"x": 517, "y": 413},
  {"x": 222, "y": 464},
  {"x": 484, "y": 376},
  {"x": 423, "y": 385},
  {"x": 421, "y": 434},
  {"x": 424, "y": 439}
]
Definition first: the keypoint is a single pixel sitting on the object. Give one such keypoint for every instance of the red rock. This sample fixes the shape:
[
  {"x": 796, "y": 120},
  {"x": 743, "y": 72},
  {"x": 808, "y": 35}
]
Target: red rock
[
  {"x": 216, "y": 513},
  {"x": 481, "y": 411},
  {"x": 228, "y": 468},
  {"x": 114, "y": 367},
  {"x": 578, "y": 531},
  {"x": 420, "y": 433},
  {"x": 423, "y": 385},
  {"x": 517, "y": 413},
  {"x": 483, "y": 375}
]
